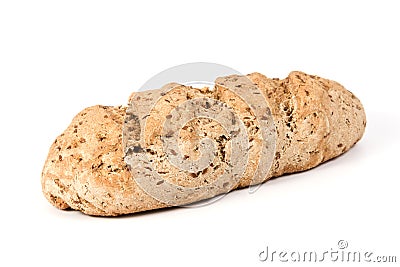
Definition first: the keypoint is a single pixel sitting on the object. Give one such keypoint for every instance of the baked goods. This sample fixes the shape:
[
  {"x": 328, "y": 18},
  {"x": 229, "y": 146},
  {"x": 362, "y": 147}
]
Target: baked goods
[{"x": 314, "y": 120}]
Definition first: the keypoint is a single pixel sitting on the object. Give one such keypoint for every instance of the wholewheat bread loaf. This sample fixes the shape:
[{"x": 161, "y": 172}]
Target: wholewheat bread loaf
[{"x": 92, "y": 167}]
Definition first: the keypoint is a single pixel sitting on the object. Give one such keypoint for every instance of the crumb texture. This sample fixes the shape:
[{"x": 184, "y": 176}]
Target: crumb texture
[{"x": 315, "y": 120}]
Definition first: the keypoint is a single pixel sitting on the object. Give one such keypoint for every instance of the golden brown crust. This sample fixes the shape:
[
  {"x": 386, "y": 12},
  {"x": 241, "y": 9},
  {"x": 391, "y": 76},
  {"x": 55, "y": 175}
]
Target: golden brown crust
[{"x": 316, "y": 119}]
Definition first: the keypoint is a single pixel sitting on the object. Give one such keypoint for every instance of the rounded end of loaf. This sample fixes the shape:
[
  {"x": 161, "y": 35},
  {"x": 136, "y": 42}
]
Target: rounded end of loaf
[
  {"x": 85, "y": 169},
  {"x": 317, "y": 119},
  {"x": 344, "y": 114}
]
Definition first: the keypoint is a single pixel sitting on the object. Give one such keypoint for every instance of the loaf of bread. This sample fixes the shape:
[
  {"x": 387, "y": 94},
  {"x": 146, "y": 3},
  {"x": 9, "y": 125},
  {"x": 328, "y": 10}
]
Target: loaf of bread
[{"x": 112, "y": 160}]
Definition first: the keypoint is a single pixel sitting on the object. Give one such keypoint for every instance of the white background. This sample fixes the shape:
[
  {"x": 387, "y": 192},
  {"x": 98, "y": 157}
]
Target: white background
[{"x": 58, "y": 57}]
